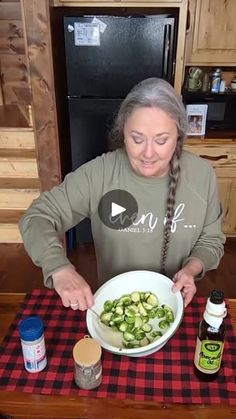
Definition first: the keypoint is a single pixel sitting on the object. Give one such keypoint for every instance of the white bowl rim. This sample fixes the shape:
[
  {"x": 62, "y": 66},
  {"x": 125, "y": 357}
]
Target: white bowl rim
[{"x": 162, "y": 340}]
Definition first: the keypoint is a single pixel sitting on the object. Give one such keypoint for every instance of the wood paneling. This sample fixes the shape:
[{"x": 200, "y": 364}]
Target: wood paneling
[
  {"x": 19, "y": 199},
  {"x": 1, "y": 93},
  {"x": 19, "y": 182},
  {"x": 18, "y": 168},
  {"x": 9, "y": 233},
  {"x": 9, "y": 92},
  {"x": 6, "y": 182},
  {"x": 11, "y": 118},
  {"x": 16, "y": 140},
  {"x": 19, "y": 179},
  {"x": 18, "y": 176},
  {"x": 14, "y": 69},
  {"x": 11, "y": 216},
  {"x": 10, "y": 10},
  {"x": 36, "y": 20},
  {"x": 12, "y": 45},
  {"x": 15, "y": 76},
  {"x": 6, "y": 152},
  {"x": 11, "y": 28},
  {"x": 13, "y": 63}
]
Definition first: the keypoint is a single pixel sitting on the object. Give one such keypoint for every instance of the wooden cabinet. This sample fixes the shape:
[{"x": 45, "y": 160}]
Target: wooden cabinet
[
  {"x": 221, "y": 154},
  {"x": 212, "y": 35},
  {"x": 227, "y": 191}
]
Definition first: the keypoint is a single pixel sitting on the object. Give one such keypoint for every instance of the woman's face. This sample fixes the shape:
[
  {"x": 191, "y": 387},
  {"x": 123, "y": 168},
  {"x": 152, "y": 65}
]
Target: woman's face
[{"x": 150, "y": 138}]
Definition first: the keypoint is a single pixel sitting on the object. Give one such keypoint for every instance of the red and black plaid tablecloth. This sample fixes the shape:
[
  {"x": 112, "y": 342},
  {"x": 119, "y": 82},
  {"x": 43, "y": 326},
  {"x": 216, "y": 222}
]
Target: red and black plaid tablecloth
[{"x": 166, "y": 376}]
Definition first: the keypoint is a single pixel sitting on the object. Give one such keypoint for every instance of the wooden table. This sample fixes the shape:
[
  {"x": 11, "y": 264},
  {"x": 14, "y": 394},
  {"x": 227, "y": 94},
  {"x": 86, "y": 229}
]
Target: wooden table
[{"x": 23, "y": 405}]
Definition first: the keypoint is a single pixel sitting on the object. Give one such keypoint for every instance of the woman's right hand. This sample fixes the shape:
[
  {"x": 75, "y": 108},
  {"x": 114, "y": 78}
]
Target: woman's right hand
[{"x": 74, "y": 291}]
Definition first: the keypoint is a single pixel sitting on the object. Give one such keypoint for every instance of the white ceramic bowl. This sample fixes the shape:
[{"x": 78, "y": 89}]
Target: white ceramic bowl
[{"x": 127, "y": 283}]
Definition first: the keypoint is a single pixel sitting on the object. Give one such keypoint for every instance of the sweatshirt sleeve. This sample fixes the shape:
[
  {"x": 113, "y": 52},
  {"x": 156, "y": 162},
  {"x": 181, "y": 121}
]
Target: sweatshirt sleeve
[
  {"x": 209, "y": 247},
  {"x": 49, "y": 217}
]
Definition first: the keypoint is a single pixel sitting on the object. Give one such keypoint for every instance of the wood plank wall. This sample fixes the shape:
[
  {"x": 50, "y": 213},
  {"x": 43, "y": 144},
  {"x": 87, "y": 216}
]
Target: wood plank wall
[
  {"x": 19, "y": 179},
  {"x": 14, "y": 75},
  {"x": 36, "y": 17}
]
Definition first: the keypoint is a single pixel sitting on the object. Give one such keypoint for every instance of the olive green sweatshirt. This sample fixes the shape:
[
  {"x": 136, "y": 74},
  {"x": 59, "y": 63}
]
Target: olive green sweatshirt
[{"x": 196, "y": 226}]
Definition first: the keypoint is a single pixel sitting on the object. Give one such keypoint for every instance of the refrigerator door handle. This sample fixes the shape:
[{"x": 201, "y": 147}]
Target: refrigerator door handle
[{"x": 166, "y": 54}]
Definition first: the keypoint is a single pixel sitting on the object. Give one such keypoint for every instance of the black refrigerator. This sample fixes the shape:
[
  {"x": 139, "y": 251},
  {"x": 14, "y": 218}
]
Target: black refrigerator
[{"x": 105, "y": 57}]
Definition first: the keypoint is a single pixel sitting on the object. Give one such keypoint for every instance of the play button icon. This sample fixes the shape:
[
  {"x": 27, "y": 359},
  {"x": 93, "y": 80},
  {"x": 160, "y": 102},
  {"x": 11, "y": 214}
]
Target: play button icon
[{"x": 118, "y": 209}]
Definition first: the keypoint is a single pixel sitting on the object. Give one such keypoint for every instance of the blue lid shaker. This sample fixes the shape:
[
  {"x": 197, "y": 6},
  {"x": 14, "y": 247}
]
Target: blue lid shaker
[{"x": 31, "y": 332}]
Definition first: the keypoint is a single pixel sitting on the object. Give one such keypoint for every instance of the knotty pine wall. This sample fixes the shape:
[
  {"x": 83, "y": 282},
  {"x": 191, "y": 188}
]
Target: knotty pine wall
[
  {"x": 13, "y": 66},
  {"x": 19, "y": 179}
]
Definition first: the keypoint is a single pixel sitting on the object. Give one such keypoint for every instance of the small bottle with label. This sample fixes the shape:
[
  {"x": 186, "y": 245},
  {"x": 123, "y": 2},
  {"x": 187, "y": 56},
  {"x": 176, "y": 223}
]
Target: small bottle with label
[
  {"x": 210, "y": 339},
  {"x": 222, "y": 86},
  {"x": 206, "y": 82},
  {"x": 216, "y": 79}
]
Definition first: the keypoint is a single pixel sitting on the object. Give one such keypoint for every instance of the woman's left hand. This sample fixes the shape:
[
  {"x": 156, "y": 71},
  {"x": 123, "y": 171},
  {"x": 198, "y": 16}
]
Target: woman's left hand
[{"x": 184, "y": 279}]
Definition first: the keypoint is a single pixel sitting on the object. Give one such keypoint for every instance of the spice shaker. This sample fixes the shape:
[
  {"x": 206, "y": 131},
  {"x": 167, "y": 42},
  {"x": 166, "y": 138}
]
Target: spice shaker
[
  {"x": 33, "y": 344},
  {"x": 87, "y": 363}
]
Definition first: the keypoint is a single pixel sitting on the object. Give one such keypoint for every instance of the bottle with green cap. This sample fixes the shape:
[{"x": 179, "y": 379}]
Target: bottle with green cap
[{"x": 210, "y": 339}]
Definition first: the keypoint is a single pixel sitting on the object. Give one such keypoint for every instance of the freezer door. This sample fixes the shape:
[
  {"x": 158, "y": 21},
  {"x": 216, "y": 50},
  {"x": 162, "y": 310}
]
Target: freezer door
[
  {"x": 106, "y": 55},
  {"x": 90, "y": 122}
]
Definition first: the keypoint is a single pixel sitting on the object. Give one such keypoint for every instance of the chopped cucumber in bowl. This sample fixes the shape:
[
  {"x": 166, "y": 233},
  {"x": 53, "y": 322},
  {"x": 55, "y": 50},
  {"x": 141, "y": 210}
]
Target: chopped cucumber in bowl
[{"x": 138, "y": 320}]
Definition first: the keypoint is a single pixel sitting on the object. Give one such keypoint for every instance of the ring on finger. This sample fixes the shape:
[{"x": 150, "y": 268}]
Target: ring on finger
[{"x": 74, "y": 304}]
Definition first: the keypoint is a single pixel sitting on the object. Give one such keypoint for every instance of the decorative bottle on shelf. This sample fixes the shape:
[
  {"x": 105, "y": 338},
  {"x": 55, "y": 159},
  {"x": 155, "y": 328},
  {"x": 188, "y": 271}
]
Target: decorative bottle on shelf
[
  {"x": 210, "y": 339},
  {"x": 216, "y": 79},
  {"x": 222, "y": 86},
  {"x": 206, "y": 82}
]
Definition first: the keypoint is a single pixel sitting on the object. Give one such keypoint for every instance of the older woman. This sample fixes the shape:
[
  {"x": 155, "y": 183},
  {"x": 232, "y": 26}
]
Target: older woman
[{"x": 176, "y": 228}]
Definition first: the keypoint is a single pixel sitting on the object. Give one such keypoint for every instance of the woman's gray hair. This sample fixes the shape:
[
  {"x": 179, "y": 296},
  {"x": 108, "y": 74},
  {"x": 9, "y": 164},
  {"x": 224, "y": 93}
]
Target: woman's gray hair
[
  {"x": 152, "y": 92},
  {"x": 158, "y": 93}
]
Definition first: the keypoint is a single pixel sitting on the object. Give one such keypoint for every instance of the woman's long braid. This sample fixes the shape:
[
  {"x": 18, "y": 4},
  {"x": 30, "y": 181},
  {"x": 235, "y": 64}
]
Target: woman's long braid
[{"x": 173, "y": 181}]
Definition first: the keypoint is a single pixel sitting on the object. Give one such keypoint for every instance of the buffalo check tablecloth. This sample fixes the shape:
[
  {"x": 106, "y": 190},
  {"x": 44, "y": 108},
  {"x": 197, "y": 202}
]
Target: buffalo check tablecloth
[{"x": 166, "y": 376}]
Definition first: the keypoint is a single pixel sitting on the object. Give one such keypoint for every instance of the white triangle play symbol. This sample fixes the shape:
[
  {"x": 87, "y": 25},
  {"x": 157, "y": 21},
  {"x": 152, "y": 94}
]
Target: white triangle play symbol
[{"x": 116, "y": 209}]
